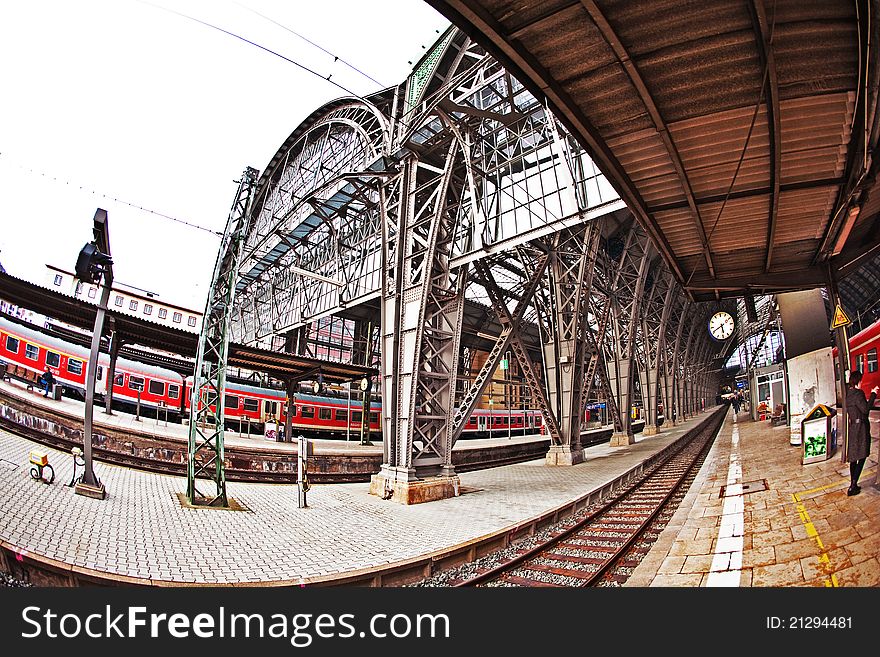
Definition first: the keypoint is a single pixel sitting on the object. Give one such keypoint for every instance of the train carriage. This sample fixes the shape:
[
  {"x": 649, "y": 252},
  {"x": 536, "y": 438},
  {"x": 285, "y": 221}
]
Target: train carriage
[{"x": 247, "y": 407}]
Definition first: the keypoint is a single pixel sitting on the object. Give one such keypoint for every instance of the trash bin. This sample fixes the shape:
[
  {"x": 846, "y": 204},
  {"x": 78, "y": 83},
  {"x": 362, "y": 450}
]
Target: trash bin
[{"x": 819, "y": 434}]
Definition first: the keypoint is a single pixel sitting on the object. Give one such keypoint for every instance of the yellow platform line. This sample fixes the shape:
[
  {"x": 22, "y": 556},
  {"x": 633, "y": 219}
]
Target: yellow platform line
[{"x": 824, "y": 561}]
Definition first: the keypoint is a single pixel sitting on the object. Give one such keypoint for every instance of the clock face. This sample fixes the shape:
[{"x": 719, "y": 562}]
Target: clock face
[
  {"x": 721, "y": 325},
  {"x": 365, "y": 383}
]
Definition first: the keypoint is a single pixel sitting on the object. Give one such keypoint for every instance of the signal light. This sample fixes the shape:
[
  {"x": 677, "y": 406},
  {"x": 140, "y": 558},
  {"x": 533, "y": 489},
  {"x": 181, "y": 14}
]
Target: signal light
[{"x": 91, "y": 263}]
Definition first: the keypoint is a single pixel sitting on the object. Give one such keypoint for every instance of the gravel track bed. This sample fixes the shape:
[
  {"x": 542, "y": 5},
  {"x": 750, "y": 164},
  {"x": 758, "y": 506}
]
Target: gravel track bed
[
  {"x": 8, "y": 581},
  {"x": 644, "y": 498},
  {"x": 567, "y": 565}
]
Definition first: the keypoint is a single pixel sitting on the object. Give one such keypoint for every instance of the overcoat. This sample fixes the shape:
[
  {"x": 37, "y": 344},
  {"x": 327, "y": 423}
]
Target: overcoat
[{"x": 859, "y": 439}]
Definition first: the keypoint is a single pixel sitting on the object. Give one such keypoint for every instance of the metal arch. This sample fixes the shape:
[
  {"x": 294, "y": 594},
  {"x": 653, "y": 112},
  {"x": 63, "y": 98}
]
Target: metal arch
[
  {"x": 628, "y": 282},
  {"x": 655, "y": 320},
  {"x": 422, "y": 302},
  {"x": 572, "y": 265}
]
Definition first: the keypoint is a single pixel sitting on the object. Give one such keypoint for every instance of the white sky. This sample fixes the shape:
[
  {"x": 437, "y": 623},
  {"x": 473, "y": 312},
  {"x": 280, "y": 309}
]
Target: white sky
[{"x": 106, "y": 99}]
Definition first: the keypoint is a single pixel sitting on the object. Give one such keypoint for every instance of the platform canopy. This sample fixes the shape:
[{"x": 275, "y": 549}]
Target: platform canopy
[
  {"x": 740, "y": 134},
  {"x": 136, "y": 330}
]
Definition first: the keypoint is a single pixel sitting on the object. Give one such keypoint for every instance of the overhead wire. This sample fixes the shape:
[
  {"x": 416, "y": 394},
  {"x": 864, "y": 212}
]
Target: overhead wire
[
  {"x": 312, "y": 43},
  {"x": 88, "y": 189},
  {"x": 255, "y": 44}
]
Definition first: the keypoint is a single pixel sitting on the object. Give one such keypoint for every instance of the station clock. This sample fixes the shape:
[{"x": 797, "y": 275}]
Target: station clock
[{"x": 721, "y": 325}]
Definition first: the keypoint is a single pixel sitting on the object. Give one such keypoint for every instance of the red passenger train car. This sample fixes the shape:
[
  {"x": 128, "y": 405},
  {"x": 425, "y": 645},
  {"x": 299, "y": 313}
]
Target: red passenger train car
[
  {"x": 26, "y": 349},
  {"x": 863, "y": 352},
  {"x": 247, "y": 407}
]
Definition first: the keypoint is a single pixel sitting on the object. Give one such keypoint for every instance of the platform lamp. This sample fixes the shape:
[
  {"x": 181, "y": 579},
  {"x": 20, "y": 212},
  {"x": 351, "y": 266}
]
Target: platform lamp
[{"x": 94, "y": 265}]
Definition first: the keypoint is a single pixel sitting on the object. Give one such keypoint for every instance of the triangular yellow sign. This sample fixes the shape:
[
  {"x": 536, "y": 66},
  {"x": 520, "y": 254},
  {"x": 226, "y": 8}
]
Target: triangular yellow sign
[{"x": 840, "y": 318}]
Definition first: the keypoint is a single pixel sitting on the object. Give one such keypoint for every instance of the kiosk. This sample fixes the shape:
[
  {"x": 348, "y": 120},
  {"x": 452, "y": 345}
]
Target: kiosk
[{"x": 819, "y": 432}]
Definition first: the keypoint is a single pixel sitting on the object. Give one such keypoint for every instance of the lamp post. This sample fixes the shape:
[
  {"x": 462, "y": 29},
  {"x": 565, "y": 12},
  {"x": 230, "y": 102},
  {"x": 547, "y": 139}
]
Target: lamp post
[{"x": 94, "y": 264}]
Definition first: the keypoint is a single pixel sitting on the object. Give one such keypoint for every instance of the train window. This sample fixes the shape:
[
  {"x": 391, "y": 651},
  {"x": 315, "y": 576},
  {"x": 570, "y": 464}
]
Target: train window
[
  {"x": 157, "y": 387},
  {"x": 324, "y": 413},
  {"x": 231, "y": 402},
  {"x": 11, "y": 344},
  {"x": 872, "y": 360},
  {"x": 133, "y": 305},
  {"x": 52, "y": 359},
  {"x": 374, "y": 417},
  {"x": 163, "y": 313},
  {"x": 191, "y": 321},
  {"x": 341, "y": 415},
  {"x": 357, "y": 416},
  {"x": 176, "y": 318},
  {"x": 856, "y": 362},
  {"x": 307, "y": 411},
  {"x": 92, "y": 292},
  {"x": 118, "y": 301},
  {"x": 118, "y": 379},
  {"x": 252, "y": 405},
  {"x": 270, "y": 407},
  {"x": 148, "y": 309},
  {"x": 31, "y": 351},
  {"x": 174, "y": 391},
  {"x": 74, "y": 366},
  {"x": 58, "y": 279},
  {"x": 136, "y": 382}
]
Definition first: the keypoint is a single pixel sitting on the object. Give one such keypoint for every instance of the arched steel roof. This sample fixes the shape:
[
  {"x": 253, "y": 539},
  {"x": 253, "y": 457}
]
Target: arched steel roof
[{"x": 735, "y": 131}]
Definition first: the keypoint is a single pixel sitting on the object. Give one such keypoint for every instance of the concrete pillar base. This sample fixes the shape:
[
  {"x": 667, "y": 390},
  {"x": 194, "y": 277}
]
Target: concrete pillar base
[
  {"x": 414, "y": 491},
  {"x": 650, "y": 430},
  {"x": 622, "y": 439},
  {"x": 95, "y": 492},
  {"x": 564, "y": 455}
]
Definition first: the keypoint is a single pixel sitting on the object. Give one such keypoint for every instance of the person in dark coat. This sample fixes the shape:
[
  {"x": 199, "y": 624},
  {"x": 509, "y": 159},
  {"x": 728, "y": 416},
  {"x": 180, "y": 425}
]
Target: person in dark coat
[
  {"x": 858, "y": 442},
  {"x": 48, "y": 381}
]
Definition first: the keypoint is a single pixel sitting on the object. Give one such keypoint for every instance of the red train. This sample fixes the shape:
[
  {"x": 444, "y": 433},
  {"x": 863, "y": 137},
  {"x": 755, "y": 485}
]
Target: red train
[
  {"x": 863, "y": 348},
  {"x": 247, "y": 407}
]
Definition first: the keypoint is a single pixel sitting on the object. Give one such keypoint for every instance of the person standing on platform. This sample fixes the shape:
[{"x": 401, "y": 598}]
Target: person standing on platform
[
  {"x": 858, "y": 442},
  {"x": 48, "y": 381},
  {"x": 736, "y": 403}
]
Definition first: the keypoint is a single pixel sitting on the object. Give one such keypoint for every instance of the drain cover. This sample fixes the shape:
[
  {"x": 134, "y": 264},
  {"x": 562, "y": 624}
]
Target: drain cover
[{"x": 744, "y": 488}]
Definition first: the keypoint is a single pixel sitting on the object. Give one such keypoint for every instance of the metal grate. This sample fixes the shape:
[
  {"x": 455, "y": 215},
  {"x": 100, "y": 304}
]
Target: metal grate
[{"x": 746, "y": 487}]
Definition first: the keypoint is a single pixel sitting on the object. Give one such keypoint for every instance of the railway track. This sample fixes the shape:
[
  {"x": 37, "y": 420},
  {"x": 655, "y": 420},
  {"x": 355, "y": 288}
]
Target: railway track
[{"x": 603, "y": 547}]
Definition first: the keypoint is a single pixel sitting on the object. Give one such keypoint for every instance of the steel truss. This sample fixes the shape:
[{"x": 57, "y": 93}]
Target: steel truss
[
  {"x": 459, "y": 185},
  {"x": 205, "y": 455}
]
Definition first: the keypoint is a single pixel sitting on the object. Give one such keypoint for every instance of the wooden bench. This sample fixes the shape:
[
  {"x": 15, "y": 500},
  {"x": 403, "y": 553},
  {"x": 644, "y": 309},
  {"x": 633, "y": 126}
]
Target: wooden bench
[{"x": 22, "y": 374}]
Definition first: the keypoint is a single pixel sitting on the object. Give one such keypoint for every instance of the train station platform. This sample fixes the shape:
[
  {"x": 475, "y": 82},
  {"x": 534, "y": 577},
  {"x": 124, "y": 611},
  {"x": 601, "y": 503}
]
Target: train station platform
[
  {"x": 776, "y": 523},
  {"x": 142, "y": 534},
  {"x": 801, "y": 531}
]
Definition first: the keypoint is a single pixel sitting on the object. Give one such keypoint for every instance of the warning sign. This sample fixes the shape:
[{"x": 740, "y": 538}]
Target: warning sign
[{"x": 840, "y": 318}]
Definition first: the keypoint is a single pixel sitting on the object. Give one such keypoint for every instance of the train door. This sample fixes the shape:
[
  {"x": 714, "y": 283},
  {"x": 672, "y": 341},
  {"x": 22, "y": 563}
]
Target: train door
[
  {"x": 481, "y": 423},
  {"x": 270, "y": 410},
  {"x": 531, "y": 420}
]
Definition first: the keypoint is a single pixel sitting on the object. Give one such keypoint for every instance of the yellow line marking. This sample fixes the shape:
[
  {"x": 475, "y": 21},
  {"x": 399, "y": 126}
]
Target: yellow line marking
[
  {"x": 825, "y": 564},
  {"x": 835, "y": 484}
]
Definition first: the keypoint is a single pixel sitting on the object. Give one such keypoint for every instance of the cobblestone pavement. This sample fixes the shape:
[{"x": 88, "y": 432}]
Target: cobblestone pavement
[
  {"x": 802, "y": 530},
  {"x": 142, "y": 531}
]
